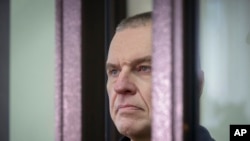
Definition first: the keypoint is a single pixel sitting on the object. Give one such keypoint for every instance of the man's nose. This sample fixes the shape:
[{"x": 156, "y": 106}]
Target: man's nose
[{"x": 124, "y": 84}]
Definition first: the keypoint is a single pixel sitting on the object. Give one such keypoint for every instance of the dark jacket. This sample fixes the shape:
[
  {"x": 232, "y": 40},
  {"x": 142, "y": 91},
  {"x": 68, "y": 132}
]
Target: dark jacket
[{"x": 203, "y": 135}]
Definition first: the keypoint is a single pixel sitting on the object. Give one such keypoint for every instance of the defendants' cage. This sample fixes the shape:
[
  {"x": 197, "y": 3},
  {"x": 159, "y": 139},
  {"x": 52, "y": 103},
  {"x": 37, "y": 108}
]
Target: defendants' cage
[{"x": 84, "y": 30}]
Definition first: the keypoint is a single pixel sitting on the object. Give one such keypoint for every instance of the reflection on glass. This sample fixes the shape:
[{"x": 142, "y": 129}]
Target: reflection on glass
[{"x": 225, "y": 49}]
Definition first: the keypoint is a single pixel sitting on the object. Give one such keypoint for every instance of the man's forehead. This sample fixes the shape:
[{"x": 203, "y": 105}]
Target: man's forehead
[
  {"x": 129, "y": 55},
  {"x": 129, "y": 44},
  {"x": 131, "y": 62},
  {"x": 131, "y": 39}
]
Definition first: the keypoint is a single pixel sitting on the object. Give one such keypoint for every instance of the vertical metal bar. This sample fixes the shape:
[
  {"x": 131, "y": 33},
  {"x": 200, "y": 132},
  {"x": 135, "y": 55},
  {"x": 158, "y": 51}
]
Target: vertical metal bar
[
  {"x": 108, "y": 121},
  {"x": 178, "y": 69},
  {"x": 167, "y": 70},
  {"x": 93, "y": 68},
  {"x": 72, "y": 70},
  {"x": 115, "y": 11},
  {"x": 4, "y": 68},
  {"x": 59, "y": 72},
  {"x": 68, "y": 69},
  {"x": 191, "y": 85},
  {"x": 162, "y": 71}
]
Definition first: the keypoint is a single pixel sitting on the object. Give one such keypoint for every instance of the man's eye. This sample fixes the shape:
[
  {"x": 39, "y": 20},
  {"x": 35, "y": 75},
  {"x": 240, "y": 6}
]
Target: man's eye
[
  {"x": 144, "y": 69},
  {"x": 114, "y": 72}
]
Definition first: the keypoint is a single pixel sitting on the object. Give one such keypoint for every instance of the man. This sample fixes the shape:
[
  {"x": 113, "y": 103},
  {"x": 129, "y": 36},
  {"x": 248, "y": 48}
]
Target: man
[{"x": 128, "y": 69}]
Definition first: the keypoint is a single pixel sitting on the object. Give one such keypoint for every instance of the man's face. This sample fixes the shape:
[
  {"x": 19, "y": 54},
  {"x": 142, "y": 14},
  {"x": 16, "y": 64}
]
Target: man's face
[{"x": 129, "y": 81}]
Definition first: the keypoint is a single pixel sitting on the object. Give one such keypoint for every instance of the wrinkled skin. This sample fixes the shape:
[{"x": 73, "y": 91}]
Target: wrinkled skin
[{"x": 129, "y": 81}]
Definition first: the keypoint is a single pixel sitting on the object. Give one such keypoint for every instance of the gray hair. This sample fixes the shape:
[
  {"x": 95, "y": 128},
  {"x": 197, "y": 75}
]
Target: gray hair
[{"x": 135, "y": 21}]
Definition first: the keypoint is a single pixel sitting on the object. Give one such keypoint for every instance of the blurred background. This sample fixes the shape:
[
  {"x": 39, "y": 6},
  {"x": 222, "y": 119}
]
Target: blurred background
[
  {"x": 32, "y": 70},
  {"x": 225, "y": 55},
  {"x": 224, "y": 48}
]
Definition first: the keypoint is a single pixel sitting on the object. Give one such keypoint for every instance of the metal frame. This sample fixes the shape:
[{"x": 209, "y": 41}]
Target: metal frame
[
  {"x": 93, "y": 64},
  {"x": 191, "y": 82},
  {"x": 4, "y": 68},
  {"x": 115, "y": 11},
  {"x": 80, "y": 53},
  {"x": 80, "y": 59},
  {"x": 68, "y": 70},
  {"x": 175, "y": 83},
  {"x": 167, "y": 93}
]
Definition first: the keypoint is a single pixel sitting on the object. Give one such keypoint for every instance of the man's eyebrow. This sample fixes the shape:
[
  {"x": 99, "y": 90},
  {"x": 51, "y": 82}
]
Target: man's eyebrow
[
  {"x": 134, "y": 62},
  {"x": 142, "y": 60},
  {"x": 110, "y": 65}
]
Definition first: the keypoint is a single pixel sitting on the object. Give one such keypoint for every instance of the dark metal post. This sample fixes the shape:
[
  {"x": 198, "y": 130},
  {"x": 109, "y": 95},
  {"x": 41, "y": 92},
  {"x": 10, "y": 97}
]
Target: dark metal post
[
  {"x": 93, "y": 68},
  {"x": 115, "y": 11},
  {"x": 191, "y": 85},
  {"x": 4, "y": 68}
]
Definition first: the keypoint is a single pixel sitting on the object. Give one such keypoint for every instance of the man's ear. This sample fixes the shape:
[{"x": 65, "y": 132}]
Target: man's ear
[{"x": 201, "y": 81}]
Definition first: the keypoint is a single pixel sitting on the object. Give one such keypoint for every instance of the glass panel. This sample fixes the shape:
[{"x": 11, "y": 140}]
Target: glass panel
[
  {"x": 138, "y": 6},
  {"x": 32, "y": 70},
  {"x": 225, "y": 49}
]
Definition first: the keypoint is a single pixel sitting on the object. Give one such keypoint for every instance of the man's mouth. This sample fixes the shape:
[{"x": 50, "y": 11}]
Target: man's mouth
[{"x": 128, "y": 107}]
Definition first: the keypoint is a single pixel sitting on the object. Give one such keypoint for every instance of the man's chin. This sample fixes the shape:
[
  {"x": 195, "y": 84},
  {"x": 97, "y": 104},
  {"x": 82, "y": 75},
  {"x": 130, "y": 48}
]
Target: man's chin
[
  {"x": 132, "y": 128},
  {"x": 128, "y": 131}
]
